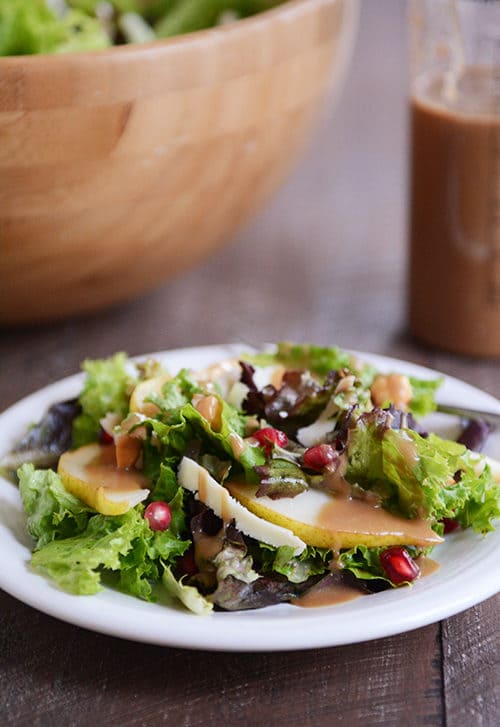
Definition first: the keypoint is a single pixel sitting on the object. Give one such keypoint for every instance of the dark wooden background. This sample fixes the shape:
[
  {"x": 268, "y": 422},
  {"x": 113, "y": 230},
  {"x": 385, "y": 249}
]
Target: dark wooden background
[{"x": 325, "y": 262}]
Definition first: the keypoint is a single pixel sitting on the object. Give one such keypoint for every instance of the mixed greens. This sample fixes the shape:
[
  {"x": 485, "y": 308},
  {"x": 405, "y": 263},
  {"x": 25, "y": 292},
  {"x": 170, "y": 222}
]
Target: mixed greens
[
  {"x": 61, "y": 26},
  {"x": 214, "y": 461}
]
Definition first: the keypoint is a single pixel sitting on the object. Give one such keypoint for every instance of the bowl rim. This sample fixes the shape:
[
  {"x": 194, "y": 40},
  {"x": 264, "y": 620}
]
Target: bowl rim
[{"x": 288, "y": 8}]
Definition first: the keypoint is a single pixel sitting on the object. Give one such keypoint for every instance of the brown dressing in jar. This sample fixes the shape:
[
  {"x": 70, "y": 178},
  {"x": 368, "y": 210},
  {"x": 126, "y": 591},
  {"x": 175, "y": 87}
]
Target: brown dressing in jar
[{"x": 455, "y": 232}]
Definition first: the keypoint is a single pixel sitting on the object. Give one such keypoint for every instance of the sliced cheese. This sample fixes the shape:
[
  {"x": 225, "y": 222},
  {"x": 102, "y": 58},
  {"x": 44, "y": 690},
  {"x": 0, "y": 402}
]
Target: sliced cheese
[
  {"x": 265, "y": 375},
  {"x": 196, "y": 479},
  {"x": 316, "y": 432}
]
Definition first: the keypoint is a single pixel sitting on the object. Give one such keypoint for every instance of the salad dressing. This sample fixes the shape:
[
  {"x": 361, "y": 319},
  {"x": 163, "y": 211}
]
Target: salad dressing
[
  {"x": 237, "y": 445},
  {"x": 334, "y": 480},
  {"x": 427, "y": 566},
  {"x": 363, "y": 517},
  {"x": 103, "y": 472},
  {"x": 408, "y": 450},
  {"x": 336, "y": 484},
  {"x": 203, "y": 484},
  {"x": 328, "y": 593},
  {"x": 206, "y": 547}
]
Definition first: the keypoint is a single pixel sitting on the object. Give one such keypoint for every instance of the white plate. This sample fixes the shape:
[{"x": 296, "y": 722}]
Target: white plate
[{"x": 468, "y": 574}]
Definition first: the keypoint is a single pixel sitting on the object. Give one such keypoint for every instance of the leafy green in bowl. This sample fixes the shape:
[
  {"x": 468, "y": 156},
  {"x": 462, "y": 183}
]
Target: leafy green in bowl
[{"x": 58, "y": 26}]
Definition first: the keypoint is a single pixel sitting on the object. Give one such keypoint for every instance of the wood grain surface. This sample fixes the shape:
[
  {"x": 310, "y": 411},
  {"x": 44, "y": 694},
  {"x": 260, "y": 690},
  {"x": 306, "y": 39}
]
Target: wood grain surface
[{"x": 325, "y": 262}]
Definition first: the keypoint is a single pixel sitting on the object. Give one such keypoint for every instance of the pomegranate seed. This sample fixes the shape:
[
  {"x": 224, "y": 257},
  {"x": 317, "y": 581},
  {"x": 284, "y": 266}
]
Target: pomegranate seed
[
  {"x": 105, "y": 438},
  {"x": 450, "y": 525},
  {"x": 269, "y": 436},
  {"x": 319, "y": 456},
  {"x": 398, "y": 565},
  {"x": 158, "y": 515}
]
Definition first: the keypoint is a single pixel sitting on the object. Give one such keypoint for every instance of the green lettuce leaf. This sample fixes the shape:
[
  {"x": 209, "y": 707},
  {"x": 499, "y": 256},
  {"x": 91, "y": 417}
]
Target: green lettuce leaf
[
  {"x": 122, "y": 543},
  {"x": 191, "y": 15},
  {"x": 281, "y": 478},
  {"x": 317, "y": 359},
  {"x": 423, "y": 400},
  {"x": 52, "y": 512},
  {"x": 148, "y": 8},
  {"x": 75, "y": 563},
  {"x": 31, "y": 26},
  {"x": 166, "y": 485},
  {"x": 188, "y": 595},
  {"x": 364, "y": 563},
  {"x": 81, "y": 33},
  {"x": 415, "y": 475},
  {"x": 143, "y": 564},
  {"x": 106, "y": 389},
  {"x": 297, "y": 569},
  {"x": 185, "y": 424},
  {"x": 178, "y": 524},
  {"x": 28, "y": 26},
  {"x": 232, "y": 422},
  {"x": 233, "y": 560},
  {"x": 175, "y": 393}
]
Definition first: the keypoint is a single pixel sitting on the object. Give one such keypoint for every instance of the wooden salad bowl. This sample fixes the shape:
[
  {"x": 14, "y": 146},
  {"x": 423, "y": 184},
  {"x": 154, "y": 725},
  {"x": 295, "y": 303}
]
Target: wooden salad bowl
[{"x": 123, "y": 167}]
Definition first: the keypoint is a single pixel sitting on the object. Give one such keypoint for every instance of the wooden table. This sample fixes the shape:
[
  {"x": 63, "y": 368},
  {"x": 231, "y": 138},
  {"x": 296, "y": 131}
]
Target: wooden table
[{"x": 324, "y": 263}]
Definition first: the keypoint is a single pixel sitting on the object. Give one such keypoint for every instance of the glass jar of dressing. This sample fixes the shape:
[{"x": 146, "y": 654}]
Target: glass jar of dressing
[{"x": 454, "y": 264}]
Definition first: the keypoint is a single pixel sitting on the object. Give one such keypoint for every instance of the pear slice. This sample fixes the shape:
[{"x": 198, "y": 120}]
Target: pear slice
[
  {"x": 198, "y": 480},
  {"x": 336, "y": 522},
  {"x": 143, "y": 390},
  {"x": 90, "y": 473}
]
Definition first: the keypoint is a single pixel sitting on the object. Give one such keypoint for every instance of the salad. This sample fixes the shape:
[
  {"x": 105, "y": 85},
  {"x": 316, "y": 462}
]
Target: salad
[
  {"x": 60, "y": 26},
  {"x": 277, "y": 477}
]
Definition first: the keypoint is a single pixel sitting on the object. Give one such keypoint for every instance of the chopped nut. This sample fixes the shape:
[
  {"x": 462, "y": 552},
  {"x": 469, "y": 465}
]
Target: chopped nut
[{"x": 392, "y": 389}]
